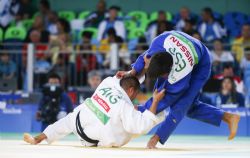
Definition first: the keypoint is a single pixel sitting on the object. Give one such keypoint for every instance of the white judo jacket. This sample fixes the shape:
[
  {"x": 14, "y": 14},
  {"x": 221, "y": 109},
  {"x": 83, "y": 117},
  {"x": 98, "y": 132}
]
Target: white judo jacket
[{"x": 108, "y": 116}]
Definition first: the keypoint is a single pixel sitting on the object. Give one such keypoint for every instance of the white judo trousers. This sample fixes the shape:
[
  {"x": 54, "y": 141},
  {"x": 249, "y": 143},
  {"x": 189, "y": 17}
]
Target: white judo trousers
[{"x": 108, "y": 116}]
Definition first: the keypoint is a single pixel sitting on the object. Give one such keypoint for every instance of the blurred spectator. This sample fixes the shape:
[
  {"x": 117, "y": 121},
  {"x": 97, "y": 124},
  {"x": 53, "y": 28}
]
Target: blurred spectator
[
  {"x": 229, "y": 72},
  {"x": 111, "y": 38},
  {"x": 63, "y": 30},
  {"x": 39, "y": 26},
  {"x": 85, "y": 60},
  {"x": 209, "y": 28},
  {"x": 40, "y": 49},
  {"x": 25, "y": 11},
  {"x": 189, "y": 27},
  {"x": 142, "y": 45},
  {"x": 34, "y": 37},
  {"x": 96, "y": 17},
  {"x": 63, "y": 27},
  {"x": 164, "y": 26},
  {"x": 55, "y": 104},
  {"x": 61, "y": 43},
  {"x": 180, "y": 19},
  {"x": 245, "y": 65},
  {"x": 44, "y": 9},
  {"x": 7, "y": 67},
  {"x": 240, "y": 43},
  {"x": 8, "y": 10},
  {"x": 197, "y": 35},
  {"x": 41, "y": 64},
  {"x": 111, "y": 22},
  {"x": 104, "y": 48},
  {"x": 158, "y": 26},
  {"x": 94, "y": 79},
  {"x": 220, "y": 56},
  {"x": 86, "y": 40},
  {"x": 60, "y": 68},
  {"x": 228, "y": 96},
  {"x": 52, "y": 23}
]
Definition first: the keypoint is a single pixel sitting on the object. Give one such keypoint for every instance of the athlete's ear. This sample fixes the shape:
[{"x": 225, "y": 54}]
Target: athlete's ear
[
  {"x": 131, "y": 90},
  {"x": 132, "y": 93}
]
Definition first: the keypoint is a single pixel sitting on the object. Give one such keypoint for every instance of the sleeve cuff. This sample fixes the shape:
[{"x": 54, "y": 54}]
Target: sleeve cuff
[
  {"x": 142, "y": 79},
  {"x": 163, "y": 138},
  {"x": 151, "y": 116},
  {"x": 48, "y": 135},
  {"x": 137, "y": 68},
  {"x": 141, "y": 108}
]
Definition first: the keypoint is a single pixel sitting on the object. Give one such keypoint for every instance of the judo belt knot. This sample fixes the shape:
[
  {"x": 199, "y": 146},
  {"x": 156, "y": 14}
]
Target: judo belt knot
[{"x": 81, "y": 133}]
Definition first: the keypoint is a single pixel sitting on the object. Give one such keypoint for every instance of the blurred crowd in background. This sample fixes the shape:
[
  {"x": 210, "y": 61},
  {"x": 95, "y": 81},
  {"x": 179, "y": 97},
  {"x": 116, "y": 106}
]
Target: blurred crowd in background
[{"x": 73, "y": 44}]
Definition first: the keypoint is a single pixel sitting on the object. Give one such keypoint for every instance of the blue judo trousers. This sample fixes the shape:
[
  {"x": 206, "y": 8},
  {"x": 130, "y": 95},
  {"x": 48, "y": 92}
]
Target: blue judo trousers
[{"x": 183, "y": 96}]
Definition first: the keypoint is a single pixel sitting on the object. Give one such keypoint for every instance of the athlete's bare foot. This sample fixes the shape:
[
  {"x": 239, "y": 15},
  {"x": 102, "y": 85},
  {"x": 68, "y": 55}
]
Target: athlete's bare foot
[
  {"x": 232, "y": 120},
  {"x": 34, "y": 140}
]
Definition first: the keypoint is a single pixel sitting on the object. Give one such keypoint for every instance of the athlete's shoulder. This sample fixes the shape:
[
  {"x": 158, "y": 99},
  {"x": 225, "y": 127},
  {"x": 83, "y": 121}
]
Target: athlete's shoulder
[
  {"x": 159, "y": 40},
  {"x": 174, "y": 33},
  {"x": 111, "y": 78}
]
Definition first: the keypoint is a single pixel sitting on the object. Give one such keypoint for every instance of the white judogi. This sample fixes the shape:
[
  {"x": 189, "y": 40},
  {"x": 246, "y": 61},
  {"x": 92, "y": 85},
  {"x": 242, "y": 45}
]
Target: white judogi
[{"x": 108, "y": 116}]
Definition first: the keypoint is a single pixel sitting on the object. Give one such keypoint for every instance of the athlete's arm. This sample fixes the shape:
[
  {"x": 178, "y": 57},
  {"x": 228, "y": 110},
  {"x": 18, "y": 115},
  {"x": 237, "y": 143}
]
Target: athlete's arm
[
  {"x": 174, "y": 93},
  {"x": 155, "y": 47},
  {"x": 139, "y": 68},
  {"x": 157, "y": 97},
  {"x": 136, "y": 122}
]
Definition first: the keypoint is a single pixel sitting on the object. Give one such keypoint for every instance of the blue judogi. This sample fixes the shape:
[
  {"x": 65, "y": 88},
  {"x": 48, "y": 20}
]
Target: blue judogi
[{"x": 182, "y": 90}]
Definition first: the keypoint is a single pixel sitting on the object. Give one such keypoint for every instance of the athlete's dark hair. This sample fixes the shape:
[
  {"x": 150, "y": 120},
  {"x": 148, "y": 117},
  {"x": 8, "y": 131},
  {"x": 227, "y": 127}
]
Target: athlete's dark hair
[
  {"x": 160, "y": 64},
  {"x": 130, "y": 81}
]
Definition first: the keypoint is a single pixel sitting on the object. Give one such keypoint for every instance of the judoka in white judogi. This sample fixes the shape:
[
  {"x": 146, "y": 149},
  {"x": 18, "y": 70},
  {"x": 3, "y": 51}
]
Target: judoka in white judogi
[{"x": 107, "y": 119}]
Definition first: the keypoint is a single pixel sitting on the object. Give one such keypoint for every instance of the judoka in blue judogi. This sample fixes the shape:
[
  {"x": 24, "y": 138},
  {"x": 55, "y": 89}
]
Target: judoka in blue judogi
[{"x": 186, "y": 65}]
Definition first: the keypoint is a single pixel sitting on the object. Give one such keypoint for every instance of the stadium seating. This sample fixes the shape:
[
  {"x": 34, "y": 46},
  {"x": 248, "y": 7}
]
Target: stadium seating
[
  {"x": 27, "y": 24},
  {"x": 15, "y": 33},
  {"x": 34, "y": 15},
  {"x": 153, "y": 16},
  {"x": 83, "y": 15},
  {"x": 218, "y": 16},
  {"x": 90, "y": 29},
  {"x": 130, "y": 25},
  {"x": 138, "y": 15},
  {"x": 68, "y": 15},
  {"x": 120, "y": 14},
  {"x": 1, "y": 35},
  {"x": 233, "y": 22},
  {"x": 144, "y": 24},
  {"x": 136, "y": 33}
]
